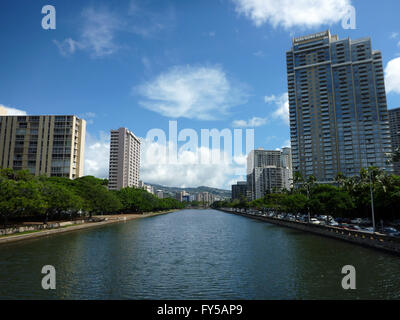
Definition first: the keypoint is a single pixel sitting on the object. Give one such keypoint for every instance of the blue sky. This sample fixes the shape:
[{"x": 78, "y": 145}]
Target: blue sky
[{"x": 207, "y": 64}]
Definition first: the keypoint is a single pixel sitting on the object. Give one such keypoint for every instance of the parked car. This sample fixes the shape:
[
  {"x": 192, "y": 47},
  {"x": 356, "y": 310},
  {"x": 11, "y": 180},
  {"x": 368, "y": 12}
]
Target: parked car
[
  {"x": 315, "y": 221},
  {"x": 391, "y": 231},
  {"x": 369, "y": 229},
  {"x": 346, "y": 226},
  {"x": 356, "y": 221},
  {"x": 366, "y": 221}
]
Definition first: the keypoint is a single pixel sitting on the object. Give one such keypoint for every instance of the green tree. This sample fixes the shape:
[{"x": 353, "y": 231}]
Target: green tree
[
  {"x": 97, "y": 198},
  {"x": 61, "y": 201}
]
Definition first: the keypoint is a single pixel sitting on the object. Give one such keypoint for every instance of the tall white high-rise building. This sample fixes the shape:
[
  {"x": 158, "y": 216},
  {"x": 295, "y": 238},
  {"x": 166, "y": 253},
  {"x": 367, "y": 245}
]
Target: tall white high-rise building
[
  {"x": 124, "y": 159},
  {"x": 268, "y": 171},
  {"x": 339, "y": 120}
]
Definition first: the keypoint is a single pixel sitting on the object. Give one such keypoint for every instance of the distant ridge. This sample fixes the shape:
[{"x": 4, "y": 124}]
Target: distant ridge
[{"x": 172, "y": 190}]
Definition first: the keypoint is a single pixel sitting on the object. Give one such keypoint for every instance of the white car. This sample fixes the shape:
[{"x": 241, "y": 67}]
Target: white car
[{"x": 315, "y": 221}]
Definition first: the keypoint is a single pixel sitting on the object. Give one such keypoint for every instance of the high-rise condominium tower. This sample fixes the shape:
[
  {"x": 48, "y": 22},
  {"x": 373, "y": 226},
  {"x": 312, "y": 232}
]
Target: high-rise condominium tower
[
  {"x": 268, "y": 171},
  {"x": 338, "y": 112},
  {"x": 124, "y": 159},
  {"x": 44, "y": 145},
  {"x": 394, "y": 119},
  {"x": 239, "y": 190}
]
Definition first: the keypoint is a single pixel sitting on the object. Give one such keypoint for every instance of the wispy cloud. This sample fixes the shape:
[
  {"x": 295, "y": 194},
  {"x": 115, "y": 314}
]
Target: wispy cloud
[
  {"x": 101, "y": 26},
  {"x": 293, "y": 13},
  {"x": 88, "y": 116},
  {"x": 99, "y": 31},
  {"x": 11, "y": 111},
  {"x": 97, "y": 34},
  {"x": 251, "y": 123},
  {"x": 282, "y": 106},
  {"x": 68, "y": 46},
  {"x": 204, "y": 93},
  {"x": 147, "y": 22}
]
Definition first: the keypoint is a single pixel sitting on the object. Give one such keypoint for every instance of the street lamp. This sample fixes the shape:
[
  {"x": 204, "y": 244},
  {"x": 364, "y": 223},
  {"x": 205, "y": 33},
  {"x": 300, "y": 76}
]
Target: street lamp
[
  {"x": 372, "y": 201},
  {"x": 308, "y": 204}
]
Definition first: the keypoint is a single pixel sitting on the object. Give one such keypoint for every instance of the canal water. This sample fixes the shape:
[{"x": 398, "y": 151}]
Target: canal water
[{"x": 195, "y": 254}]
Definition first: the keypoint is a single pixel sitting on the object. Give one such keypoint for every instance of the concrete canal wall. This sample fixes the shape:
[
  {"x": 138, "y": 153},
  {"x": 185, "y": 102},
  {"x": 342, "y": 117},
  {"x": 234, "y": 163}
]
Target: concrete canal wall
[
  {"x": 39, "y": 227},
  {"x": 376, "y": 240}
]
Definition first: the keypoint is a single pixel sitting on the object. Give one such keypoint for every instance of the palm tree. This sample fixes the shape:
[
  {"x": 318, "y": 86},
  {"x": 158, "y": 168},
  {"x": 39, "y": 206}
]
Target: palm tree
[
  {"x": 309, "y": 185},
  {"x": 340, "y": 179},
  {"x": 298, "y": 177}
]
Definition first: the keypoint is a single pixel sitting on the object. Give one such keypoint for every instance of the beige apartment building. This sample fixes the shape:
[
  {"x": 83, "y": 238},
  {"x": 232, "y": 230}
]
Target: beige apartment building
[
  {"x": 124, "y": 160},
  {"x": 45, "y": 145}
]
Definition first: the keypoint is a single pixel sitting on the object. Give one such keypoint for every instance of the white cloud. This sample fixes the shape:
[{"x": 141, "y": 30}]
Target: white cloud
[
  {"x": 68, "y": 46},
  {"x": 251, "y": 123},
  {"x": 99, "y": 28},
  {"x": 11, "y": 111},
  {"x": 97, "y": 152},
  {"x": 203, "y": 93},
  {"x": 88, "y": 116},
  {"x": 293, "y": 13},
  {"x": 392, "y": 76},
  {"x": 189, "y": 170},
  {"x": 394, "y": 35},
  {"x": 282, "y": 104},
  {"x": 97, "y": 33}
]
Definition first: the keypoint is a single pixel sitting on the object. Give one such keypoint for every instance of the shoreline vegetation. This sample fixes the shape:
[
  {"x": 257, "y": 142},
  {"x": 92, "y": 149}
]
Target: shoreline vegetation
[
  {"x": 348, "y": 197},
  {"x": 40, "y": 203},
  {"x": 100, "y": 221}
]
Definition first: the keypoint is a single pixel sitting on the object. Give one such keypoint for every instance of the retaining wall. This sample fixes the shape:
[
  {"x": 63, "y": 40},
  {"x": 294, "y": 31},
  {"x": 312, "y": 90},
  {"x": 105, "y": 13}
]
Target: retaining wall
[{"x": 38, "y": 227}]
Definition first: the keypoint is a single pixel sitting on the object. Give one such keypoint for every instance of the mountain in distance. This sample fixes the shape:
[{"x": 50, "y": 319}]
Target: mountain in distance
[{"x": 224, "y": 194}]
